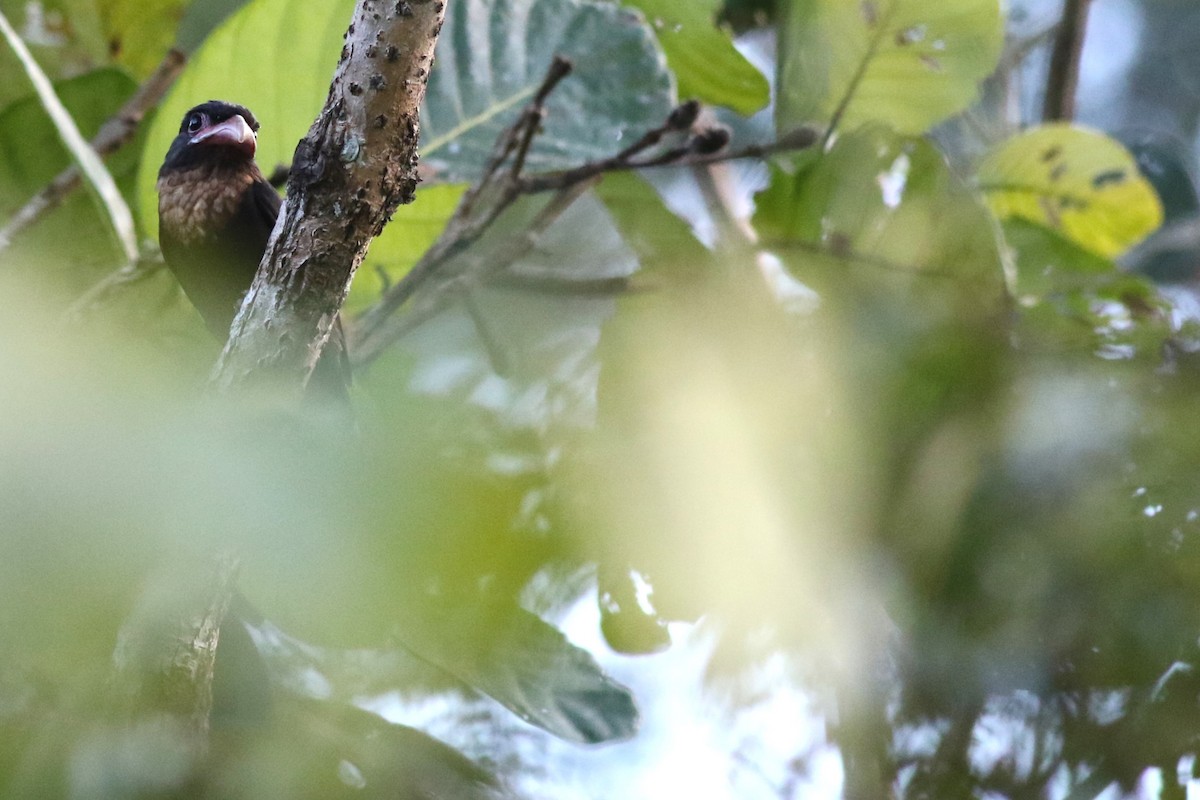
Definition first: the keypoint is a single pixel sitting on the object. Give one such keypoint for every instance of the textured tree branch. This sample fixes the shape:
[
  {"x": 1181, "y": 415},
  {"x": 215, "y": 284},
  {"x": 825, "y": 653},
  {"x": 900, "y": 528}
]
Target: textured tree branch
[
  {"x": 356, "y": 164},
  {"x": 166, "y": 652}
]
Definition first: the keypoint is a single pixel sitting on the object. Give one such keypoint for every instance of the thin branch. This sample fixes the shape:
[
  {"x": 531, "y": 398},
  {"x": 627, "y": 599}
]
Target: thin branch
[
  {"x": 113, "y": 134},
  {"x": 464, "y": 228},
  {"x": 560, "y": 68},
  {"x": 678, "y": 157},
  {"x": 1063, "y": 78},
  {"x": 564, "y": 286},
  {"x": 119, "y": 215}
]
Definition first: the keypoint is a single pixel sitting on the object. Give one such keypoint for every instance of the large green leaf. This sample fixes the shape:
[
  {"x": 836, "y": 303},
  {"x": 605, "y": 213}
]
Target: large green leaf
[
  {"x": 905, "y": 63},
  {"x": 403, "y": 242},
  {"x": 1078, "y": 182},
  {"x": 491, "y": 60},
  {"x": 706, "y": 64}
]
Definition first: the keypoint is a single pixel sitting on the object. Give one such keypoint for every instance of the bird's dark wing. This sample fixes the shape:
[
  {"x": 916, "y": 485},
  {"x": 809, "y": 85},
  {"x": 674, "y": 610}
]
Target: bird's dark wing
[{"x": 266, "y": 204}]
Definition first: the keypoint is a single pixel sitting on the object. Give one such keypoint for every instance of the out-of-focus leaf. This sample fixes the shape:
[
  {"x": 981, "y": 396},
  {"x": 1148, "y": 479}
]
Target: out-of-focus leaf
[
  {"x": 1047, "y": 261},
  {"x": 526, "y": 665},
  {"x": 706, "y": 64},
  {"x": 337, "y": 751},
  {"x": 91, "y": 168},
  {"x": 492, "y": 57},
  {"x": 877, "y": 197},
  {"x": 31, "y": 154},
  {"x": 138, "y": 32},
  {"x": 1166, "y": 161},
  {"x": 1078, "y": 182},
  {"x": 664, "y": 243},
  {"x": 905, "y": 63},
  {"x": 1169, "y": 255},
  {"x": 201, "y": 18}
]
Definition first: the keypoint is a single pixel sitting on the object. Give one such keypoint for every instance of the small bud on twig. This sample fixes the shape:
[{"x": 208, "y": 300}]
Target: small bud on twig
[
  {"x": 711, "y": 140},
  {"x": 684, "y": 115}
]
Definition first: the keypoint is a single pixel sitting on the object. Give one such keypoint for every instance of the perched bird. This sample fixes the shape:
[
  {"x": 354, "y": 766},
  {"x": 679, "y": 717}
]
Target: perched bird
[{"x": 216, "y": 211}]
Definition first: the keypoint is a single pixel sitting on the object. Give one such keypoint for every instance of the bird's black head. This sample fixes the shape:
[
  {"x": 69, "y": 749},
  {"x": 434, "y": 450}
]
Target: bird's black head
[{"x": 213, "y": 132}]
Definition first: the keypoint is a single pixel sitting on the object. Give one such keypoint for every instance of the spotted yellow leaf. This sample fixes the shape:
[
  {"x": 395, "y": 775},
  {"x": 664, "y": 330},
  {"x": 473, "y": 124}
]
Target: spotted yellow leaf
[{"x": 1075, "y": 181}]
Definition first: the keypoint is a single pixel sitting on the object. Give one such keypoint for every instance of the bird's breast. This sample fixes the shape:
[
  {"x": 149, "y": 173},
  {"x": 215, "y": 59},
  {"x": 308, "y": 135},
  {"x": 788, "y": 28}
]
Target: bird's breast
[{"x": 196, "y": 203}]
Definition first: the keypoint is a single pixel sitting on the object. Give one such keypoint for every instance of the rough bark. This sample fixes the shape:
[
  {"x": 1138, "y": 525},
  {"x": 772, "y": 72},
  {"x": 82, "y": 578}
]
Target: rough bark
[
  {"x": 349, "y": 173},
  {"x": 166, "y": 652}
]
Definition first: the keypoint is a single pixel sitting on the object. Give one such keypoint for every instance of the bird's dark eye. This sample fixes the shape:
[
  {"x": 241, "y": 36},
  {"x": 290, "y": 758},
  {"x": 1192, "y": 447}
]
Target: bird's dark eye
[{"x": 195, "y": 122}]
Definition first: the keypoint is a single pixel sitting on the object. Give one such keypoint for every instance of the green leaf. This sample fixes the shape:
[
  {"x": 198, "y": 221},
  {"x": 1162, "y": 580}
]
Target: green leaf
[
  {"x": 666, "y": 248},
  {"x": 906, "y": 63},
  {"x": 528, "y": 666},
  {"x": 201, "y": 18},
  {"x": 30, "y": 152},
  {"x": 706, "y": 64},
  {"x": 1077, "y": 182},
  {"x": 139, "y": 33},
  {"x": 1048, "y": 261},
  {"x": 492, "y": 57},
  {"x": 892, "y": 199}
]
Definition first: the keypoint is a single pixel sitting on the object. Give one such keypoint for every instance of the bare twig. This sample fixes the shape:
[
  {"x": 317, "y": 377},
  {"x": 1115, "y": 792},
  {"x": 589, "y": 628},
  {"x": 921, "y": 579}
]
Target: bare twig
[
  {"x": 464, "y": 226},
  {"x": 560, "y": 68},
  {"x": 114, "y": 133},
  {"x": 1063, "y": 78}
]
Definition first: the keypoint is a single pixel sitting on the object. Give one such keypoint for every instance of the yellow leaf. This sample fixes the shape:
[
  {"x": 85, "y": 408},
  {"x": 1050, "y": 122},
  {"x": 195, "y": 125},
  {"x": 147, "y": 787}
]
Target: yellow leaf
[{"x": 1075, "y": 181}]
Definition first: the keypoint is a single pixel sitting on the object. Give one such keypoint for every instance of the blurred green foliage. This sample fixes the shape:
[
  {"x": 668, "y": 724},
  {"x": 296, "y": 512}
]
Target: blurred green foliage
[{"x": 932, "y": 454}]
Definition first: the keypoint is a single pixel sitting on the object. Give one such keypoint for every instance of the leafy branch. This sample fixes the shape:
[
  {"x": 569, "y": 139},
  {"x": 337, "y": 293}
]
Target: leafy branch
[{"x": 683, "y": 139}]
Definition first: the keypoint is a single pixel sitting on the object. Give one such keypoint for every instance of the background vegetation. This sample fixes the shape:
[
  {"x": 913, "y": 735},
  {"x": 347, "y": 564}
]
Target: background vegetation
[{"x": 858, "y": 460}]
